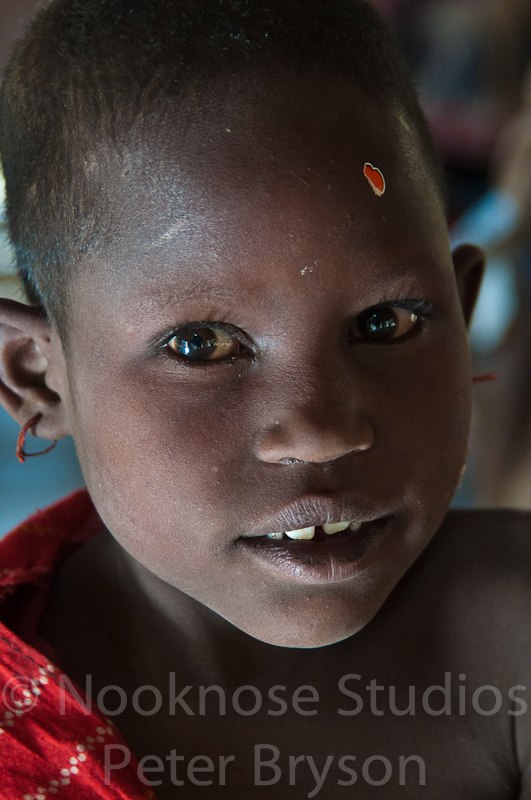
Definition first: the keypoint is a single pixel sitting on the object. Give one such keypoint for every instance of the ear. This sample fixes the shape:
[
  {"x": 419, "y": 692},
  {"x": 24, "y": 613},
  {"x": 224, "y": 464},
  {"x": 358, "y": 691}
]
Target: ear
[
  {"x": 469, "y": 265},
  {"x": 33, "y": 378}
]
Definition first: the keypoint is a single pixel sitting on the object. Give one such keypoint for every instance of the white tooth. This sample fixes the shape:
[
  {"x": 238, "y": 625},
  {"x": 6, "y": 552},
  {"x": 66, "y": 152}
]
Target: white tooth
[
  {"x": 335, "y": 527},
  {"x": 275, "y": 535},
  {"x": 302, "y": 533},
  {"x": 355, "y": 526}
]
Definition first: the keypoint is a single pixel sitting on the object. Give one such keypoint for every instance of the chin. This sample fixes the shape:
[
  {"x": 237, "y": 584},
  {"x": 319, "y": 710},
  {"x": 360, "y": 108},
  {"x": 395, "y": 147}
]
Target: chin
[{"x": 319, "y": 630}]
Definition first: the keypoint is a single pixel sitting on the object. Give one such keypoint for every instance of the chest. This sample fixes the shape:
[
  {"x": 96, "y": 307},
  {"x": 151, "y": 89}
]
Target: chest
[{"x": 349, "y": 737}]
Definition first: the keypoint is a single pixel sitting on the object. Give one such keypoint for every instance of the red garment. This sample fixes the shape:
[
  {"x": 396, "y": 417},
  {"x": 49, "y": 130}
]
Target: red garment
[{"x": 50, "y": 746}]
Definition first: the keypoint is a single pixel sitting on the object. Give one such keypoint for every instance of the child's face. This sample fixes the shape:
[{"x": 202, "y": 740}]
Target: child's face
[{"x": 256, "y": 220}]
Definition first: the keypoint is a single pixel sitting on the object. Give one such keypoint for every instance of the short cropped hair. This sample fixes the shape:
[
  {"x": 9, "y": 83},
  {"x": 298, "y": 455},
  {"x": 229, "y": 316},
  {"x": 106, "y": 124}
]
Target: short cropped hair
[{"x": 86, "y": 70}]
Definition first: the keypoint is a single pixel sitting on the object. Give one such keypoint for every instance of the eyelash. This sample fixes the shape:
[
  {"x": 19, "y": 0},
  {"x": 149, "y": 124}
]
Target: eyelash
[{"x": 423, "y": 309}]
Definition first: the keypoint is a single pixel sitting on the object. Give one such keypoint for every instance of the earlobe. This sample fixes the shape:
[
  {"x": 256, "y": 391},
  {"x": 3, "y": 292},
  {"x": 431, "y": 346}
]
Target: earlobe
[
  {"x": 469, "y": 265},
  {"x": 32, "y": 370}
]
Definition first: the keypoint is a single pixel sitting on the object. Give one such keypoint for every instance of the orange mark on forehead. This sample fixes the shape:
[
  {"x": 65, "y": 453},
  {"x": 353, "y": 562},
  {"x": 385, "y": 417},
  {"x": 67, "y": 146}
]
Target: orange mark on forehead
[{"x": 375, "y": 178}]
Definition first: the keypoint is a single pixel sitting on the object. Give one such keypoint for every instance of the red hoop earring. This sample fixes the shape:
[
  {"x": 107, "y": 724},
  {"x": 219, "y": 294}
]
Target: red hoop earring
[
  {"x": 489, "y": 377},
  {"x": 21, "y": 441}
]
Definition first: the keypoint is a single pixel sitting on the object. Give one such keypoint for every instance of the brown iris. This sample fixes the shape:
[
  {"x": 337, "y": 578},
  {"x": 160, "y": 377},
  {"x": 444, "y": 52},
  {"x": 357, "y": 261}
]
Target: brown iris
[{"x": 204, "y": 344}]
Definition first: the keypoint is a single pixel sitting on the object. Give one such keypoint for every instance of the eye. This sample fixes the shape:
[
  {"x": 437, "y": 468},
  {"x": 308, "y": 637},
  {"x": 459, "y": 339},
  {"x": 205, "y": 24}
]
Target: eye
[
  {"x": 201, "y": 343},
  {"x": 382, "y": 323}
]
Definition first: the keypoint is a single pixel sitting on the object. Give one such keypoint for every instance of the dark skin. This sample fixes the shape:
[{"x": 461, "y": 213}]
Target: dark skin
[
  {"x": 459, "y": 610},
  {"x": 256, "y": 219}
]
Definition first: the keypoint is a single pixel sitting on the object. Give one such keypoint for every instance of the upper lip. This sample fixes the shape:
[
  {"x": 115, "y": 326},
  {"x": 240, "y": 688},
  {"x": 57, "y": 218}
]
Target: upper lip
[{"x": 316, "y": 510}]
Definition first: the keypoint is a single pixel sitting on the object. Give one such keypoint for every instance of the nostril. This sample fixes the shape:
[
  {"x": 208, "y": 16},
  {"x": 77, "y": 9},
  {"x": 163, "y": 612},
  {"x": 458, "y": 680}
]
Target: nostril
[{"x": 303, "y": 444}]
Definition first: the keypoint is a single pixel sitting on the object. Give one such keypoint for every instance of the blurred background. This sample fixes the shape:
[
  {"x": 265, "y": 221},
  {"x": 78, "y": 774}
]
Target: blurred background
[{"x": 472, "y": 62}]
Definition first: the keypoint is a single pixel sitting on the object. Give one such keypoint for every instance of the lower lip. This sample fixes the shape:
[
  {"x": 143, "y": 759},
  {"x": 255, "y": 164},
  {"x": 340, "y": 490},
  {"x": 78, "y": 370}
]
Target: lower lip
[{"x": 331, "y": 561}]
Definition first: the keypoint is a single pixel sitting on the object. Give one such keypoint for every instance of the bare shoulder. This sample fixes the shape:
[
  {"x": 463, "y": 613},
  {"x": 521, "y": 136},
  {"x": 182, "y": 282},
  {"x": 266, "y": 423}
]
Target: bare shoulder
[
  {"x": 480, "y": 562},
  {"x": 488, "y": 523},
  {"x": 467, "y": 598},
  {"x": 475, "y": 580},
  {"x": 486, "y": 547}
]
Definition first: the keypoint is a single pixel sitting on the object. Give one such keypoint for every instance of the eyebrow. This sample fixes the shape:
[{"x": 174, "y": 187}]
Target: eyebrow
[{"x": 197, "y": 291}]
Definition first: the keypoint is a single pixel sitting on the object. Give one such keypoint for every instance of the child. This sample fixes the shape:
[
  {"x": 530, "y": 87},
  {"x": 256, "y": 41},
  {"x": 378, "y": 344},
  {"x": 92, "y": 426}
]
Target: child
[{"x": 229, "y": 219}]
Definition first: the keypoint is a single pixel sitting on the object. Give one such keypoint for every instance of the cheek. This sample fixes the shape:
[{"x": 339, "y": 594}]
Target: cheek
[
  {"x": 159, "y": 460},
  {"x": 431, "y": 428}
]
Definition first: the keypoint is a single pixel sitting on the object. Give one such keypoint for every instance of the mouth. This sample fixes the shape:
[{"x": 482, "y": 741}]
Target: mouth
[
  {"x": 318, "y": 533},
  {"x": 325, "y": 552}
]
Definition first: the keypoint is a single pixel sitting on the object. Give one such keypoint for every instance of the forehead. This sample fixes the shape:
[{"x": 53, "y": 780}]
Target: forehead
[{"x": 252, "y": 177}]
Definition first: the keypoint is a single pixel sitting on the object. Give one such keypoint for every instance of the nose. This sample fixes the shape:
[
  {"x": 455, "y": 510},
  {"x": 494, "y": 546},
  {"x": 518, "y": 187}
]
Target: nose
[{"x": 317, "y": 424}]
